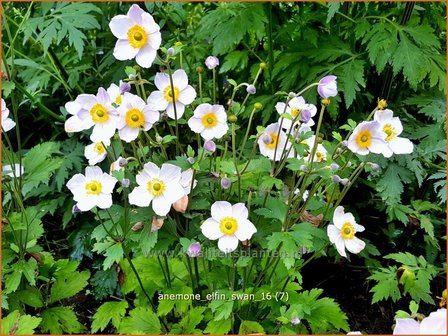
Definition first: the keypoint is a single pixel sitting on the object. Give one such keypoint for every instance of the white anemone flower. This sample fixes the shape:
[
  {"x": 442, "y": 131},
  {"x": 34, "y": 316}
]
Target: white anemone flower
[
  {"x": 96, "y": 152},
  {"x": 138, "y": 36},
  {"x": 391, "y": 127},
  {"x": 181, "y": 93},
  {"x": 434, "y": 324},
  {"x": 272, "y": 139},
  {"x": 135, "y": 114},
  {"x": 342, "y": 233},
  {"x": 229, "y": 224},
  {"x": 7, "y": 123},
  {"x": 116, "y": 92},
  {"x": 186, "y": 179},
  {"x": 321, "y": 153},
  {"x": 159, "y": 186},
  {"x": 367, "y": 137},
  {"x": 89, "y": 110},
  {"x": 210, "y": 121},
  {"x": 15, "y": 170},
  {"x": 93, "y": 189},
  {"x": 295, "y": 107}
]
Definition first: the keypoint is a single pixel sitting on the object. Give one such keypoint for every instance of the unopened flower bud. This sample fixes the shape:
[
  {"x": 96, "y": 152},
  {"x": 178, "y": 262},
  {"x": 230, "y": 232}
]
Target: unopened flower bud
[
  {"x": 181, "y": 204},
  {"x": 75, "y": 209},
  {"x": 137, "y": 227},
  {"x": 375, "y": 167},
  {"x": 124, "y": 87},
  {"x": 292, "y": 95},
  {"x": 190, "y": 160},
  {"x": 251, "y": 89},
  {"x": 303, "y": 168},
  {"x": 295, "y": 321},
  {"x": 210, "y": 146},
  {"x": 344, "y": 181},
  {"x": 211, "y": 62},
  {"x": 338, "y": 150},
  {"x": 225, "y": 183},
  {"x": 267, "y": 139},
  {"x": 344, "y": 143},
  {"x": 233, "y": 118},
  {"x": 157, "y": 223},
  {"x": 305, "y": 116},
  {"x": 334, "y": 166},
  {"x": 325, "y": 101},
  {"x": 171, "y": 52},
  {"x": 349, "y": 164},
  {"x": 327, "y": 87},
  {"x": 200, "y": 69},
  {"x": 122, "y": 162},
  {"x": 194, "y": 250},
  {"x": 336, "y": 179},
  {"x": 263, "y": 65},
  {"x": 178, "y": 44},
  {"x": 136, "y": 68},
  {"x": 382, "y": 104},
  {"x": 258, "y": 106},
  {"x": 125, "y": 183}
]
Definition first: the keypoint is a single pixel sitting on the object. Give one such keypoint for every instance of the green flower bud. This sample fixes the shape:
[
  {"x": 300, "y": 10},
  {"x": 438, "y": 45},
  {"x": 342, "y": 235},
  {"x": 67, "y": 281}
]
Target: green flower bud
[
  {"x": 233, "y": 118},
  {"x": 325, "y": 101},
  {"x": 258, "y": 106},
  {"x": 263, "y": 65}
]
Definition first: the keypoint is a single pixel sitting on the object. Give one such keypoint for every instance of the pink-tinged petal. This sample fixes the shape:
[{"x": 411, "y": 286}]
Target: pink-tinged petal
[
  {"x": 208, "y": 133},
  {"x": 124, "y": 51},
  {"x": 156, "y": 101},
  {"x": 146, "y": 56},
  {"x": 162, "y": 80},
  {"x": 161, "y": 205},
  {"x": 406, "y": 326},
  {"x": 155, "y": 39},
  {"x": 333, "y": 233},
  {"x": 383, "y": 116},
  {"x": 104, "y": 201},
  {"x": 221, "y": 209},
  {"x": 378, "y": 146},
  {"x": 180, "y": 79},
  {"x": 103, "y": 97},
  {"x": 348, "y": 217},
  {"x": 239, "y": 211},
  {"x": 340, "y": 246},
  {"x": 135, "y": 14},
  {"x": 140, "y": 197},
  {"x": 180, "y": 109},
  {"x": 195, "y": 125},
  {"x": 210, "y": 229},
  {"x": 245, "y": 230},
  {"x": 354, "y": 245},
  {"x": 73, "y": 107},
  {"x": 170, "y": 172},
  {"x": 119, "y": 26},
  {"x": 202, "y": 109},
  {"x": 401, "y": 146},
  {"x": 220, "y": 112},
  {"x": 86, "y": 100},
  {"x": 228, "y": 244},
  {"x": 148, "y": 22},
  {"x": 128, "y": 134},
  {"x": 187, "y": 95}
]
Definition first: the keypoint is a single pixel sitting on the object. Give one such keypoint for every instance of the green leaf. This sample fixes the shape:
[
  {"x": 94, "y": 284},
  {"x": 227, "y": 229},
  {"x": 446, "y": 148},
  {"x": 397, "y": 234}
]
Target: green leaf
[
  {"x": 275, "y": 209},
  {"x": 60, "y": 320},
  {"x": 189, "y": 322},
  {"x": 107, "y": 312},
  {"x": 68, "y": 285},
  {"x": 221, "y": 309},
  {"x": 351, "y": 79},
  {"x": 112, "y": 250},
  {"x": 250, "y": 327},
  {"x": 31, "y": 297},
  {"x": 104, "y": 283},
  {"x": 16, "y": 324},
  {"x": 235, "y": 60},
  {"x": 403, "y": 258},
  {"x": 141, "y": 321},
  {"x": 387, "y": 286},
  {"x": 390, "y": 185},
  {"x": 333, "y": 7},
  {"x": 73, "y": 157},
  {"x": 220, "y": 327}
]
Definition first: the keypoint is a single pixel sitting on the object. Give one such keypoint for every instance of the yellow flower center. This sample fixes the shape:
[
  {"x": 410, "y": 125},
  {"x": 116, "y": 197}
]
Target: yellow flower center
[
  {"x": 99, "y": 148},
  {"x": 274, "y": 141},
  {"x": 295, "y": 111},
  {"x": 209, "y": 120},
  {"x": 319, "y": 156},
  {"x": 156, "y": 187},
  {"x": 228, "y": 225},
  {"x": 169, "y": 95},
  {"x": 118, "y": 100},
  {"x": 137, "y": 36},
  {"x": 135, "y": 118},
  {"x": 390, "y": 131},
  {"x": 99, "y": 113},
  {"x": 93, "y": 187},
  {"x": 364, "y": 138},
  {"x": 348, "y": 231}
]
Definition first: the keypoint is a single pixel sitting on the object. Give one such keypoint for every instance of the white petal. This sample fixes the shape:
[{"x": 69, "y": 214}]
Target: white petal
[
  {"x": 354, "y": 245},
  {"x": 221, "y": 209},
  {"x": 180, "y": 79},
  {"x": 108, "y": 183},
  {"x": 359, "y": 228},
  {"x": 124, "y": 51},
  {"x": 128, "y": 134},
  {"x": 210, "y": 229},
  {"x": 378, "y": 146},
  {"x": 245, "y": 230},
  {"x": 135, "y": 13},
  {"x": 220, "y": 130},
  {"x": 170, "y": 172},
  {"x": 228, "y": 244},
  {"x": 340, "y": 246},
  {"x": 85, "y": 204},
  {"x": 434, "y": 324},
  {"x": 174, "y": 192},
  {"x": 406, "y": 326},
  {"x": 152, "y": 170},
  {"x": 280, "y": 107},
  {"x": 119, "y": 25},
  {"x": 8, "y": 124},
  {"x": 383, "y": 116},
  {"x": 157, "y": 101},
  {"x": 86, "y": 101},
  {"x": 180, "y": 109},
  {"x": 208, "y": 133},
  {"x": 76, "y": 181},
  {"x": 239, "y": 211},
  {"x": 140, "y": 197},
  {"x": 161, "y": 205},
  {"x": 401, "y": 146},
  {"x": 333, "y": 233},
  {"x": 146, "y": 56},
  {"x": 338, "y": 217},
  {"x": 104, "y": 201},
  {"x": 162, "y": 80},
  {"x": 195, "y": 124},
  {"x": 187, "y": 95}
]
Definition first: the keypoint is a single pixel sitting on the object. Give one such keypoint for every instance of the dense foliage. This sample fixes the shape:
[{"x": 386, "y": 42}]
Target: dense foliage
[{"x": 104, "y": 271}]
